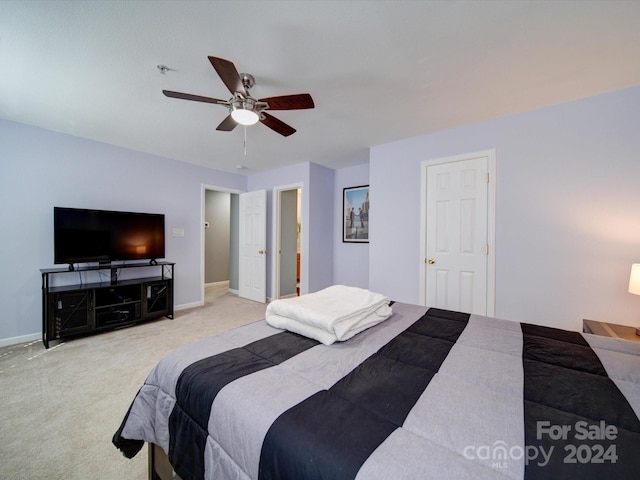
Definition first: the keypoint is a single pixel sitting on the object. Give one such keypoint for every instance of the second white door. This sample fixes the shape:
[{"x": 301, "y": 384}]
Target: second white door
[
  {"x": 252, "y": 274},
  {"x": 457, "y": 235}
]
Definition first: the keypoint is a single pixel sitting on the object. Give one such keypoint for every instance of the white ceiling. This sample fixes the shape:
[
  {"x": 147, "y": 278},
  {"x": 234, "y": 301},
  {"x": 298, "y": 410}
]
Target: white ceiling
[{"x": 378, "y": 71}]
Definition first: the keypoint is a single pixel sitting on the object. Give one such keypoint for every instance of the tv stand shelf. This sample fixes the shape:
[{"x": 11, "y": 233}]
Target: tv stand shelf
[{"x": 87, "y": 308}]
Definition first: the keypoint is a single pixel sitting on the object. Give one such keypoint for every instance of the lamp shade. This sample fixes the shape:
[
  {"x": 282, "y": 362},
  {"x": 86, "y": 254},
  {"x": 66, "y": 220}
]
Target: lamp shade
[
  {"x": 634, "y": 279},
  {"x": 243, "y": 111},
  {"x": 245, "y": 117}
]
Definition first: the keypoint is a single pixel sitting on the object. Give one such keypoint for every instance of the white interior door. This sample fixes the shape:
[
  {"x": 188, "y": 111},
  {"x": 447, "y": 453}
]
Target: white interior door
[
  {"x": 252, "y": 275},
  {"x": 457, "y": 241}
]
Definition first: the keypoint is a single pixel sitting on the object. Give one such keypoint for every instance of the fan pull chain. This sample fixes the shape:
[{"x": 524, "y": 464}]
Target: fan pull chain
[{"x": 245, "y": 141}]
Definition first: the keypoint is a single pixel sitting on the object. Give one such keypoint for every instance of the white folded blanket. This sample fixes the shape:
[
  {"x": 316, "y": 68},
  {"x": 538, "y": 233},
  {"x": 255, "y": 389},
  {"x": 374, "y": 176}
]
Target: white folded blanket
[{"x": 336, "y": 313}]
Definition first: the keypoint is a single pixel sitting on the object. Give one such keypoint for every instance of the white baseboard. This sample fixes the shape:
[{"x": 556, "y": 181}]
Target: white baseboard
[
  {"x": 4, "y": 342},
  {"x": 224, "y": 283},
  {"x": 233, "y": 291},
  {"x": 185, "y": 306}
]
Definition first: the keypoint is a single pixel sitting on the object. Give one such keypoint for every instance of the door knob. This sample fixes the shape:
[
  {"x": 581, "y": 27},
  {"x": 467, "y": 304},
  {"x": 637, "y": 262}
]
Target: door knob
[
  {"x": 431, "y": 261},
  {"x": 262, "y": 252}
]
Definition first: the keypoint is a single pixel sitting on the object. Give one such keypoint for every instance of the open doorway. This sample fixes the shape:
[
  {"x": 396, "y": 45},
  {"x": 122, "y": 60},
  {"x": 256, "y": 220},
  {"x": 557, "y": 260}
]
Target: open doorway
[
  {"x": 288, "y": 231},
  {"x": 220, "y": 243}
]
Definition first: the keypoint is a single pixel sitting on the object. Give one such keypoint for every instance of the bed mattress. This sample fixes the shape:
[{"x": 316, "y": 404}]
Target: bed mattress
[{"x": 427, "y": 393}]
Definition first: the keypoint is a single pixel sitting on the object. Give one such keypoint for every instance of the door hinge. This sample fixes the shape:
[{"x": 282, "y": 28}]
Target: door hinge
[
  {"x": 487, "y": 249},
  {"x": 487, "y": 177}
]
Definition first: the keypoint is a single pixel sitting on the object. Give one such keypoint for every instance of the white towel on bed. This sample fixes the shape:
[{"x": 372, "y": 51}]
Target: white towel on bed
[{"x": 336, "y": 313}]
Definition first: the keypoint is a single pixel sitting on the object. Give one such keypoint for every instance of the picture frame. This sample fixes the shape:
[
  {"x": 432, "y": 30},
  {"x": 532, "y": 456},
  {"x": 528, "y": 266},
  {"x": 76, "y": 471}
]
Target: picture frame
[{"x": 355, "y": 214}]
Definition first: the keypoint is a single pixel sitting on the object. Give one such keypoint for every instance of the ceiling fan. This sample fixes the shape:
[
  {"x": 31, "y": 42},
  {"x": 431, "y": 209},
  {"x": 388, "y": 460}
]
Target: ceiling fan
[{"x": 243, "y": 108}]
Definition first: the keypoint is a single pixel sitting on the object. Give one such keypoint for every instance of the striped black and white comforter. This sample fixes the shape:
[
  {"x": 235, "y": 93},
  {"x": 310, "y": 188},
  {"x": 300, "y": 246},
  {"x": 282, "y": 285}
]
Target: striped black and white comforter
[{"x": 425, "y": 394}]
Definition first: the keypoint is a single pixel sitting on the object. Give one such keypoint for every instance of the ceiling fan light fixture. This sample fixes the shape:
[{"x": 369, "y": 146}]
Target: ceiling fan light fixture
[
  {"x": 243, "y": 108},
  {"x": 243, "y": 111}
]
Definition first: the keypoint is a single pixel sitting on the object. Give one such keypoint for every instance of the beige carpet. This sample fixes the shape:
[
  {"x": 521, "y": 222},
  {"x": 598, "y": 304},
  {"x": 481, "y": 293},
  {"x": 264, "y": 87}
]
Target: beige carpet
[{"x": 60, "y": 407}]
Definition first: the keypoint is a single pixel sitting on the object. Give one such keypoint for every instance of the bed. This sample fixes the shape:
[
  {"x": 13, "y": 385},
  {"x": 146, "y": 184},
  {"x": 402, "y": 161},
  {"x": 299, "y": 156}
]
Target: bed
[{"x": 427, "y": 393}]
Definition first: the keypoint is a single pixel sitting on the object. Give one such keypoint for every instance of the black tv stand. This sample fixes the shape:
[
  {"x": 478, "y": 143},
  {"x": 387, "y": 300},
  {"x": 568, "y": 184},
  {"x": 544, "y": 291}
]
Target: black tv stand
[{"x": 87, "y": 308}]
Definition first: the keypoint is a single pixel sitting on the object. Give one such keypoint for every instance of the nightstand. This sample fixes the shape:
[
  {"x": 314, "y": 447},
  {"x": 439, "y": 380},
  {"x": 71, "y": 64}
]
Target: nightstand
[{"x": 610, "y": 330}]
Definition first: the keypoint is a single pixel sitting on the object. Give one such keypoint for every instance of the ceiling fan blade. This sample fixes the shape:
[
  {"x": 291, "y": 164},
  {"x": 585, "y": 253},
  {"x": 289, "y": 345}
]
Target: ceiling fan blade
[
  {"x": 195, "y": 98},
  {"x": 289, "y": 102},
  {"x": 227, "y": 124},
  {"x": 276, "y": 125},
  {"x": 228, "y": 74}
]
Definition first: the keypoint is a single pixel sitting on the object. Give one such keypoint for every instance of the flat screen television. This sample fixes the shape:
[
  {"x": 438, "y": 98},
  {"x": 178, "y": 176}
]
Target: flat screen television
[{"x": 82, "y": 235}]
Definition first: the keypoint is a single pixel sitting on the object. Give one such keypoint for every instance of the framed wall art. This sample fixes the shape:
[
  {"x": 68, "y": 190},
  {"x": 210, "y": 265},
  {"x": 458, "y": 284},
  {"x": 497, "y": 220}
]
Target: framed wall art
[{"x": 355, "y": 214}]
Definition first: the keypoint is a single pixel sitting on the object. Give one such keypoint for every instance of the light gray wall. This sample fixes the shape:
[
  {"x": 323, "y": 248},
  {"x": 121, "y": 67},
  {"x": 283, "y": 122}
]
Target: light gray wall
[
  {"x": 568, "y": 210},
  {"x": 321, "y": 233},
  {"x": 217, "y": 236},
  {"x": 317, "y": 220},
  {"x": 295, "y": 174},
  {"x": 350, "y": 260},
  {"x": 40, "y": 169}
]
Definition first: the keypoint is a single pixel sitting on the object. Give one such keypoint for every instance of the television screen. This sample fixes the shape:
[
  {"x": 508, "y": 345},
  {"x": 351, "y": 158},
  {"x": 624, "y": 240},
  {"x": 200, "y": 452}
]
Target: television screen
[{"x": 82, "y": 235}]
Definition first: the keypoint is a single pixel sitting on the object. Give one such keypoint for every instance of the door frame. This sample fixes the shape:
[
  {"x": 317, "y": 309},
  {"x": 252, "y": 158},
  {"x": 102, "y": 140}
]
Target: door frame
[
  {"x": 491, "y": 222},
  {"x": 275, "y": 271},
  {"x": 204, "y": 188}
]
